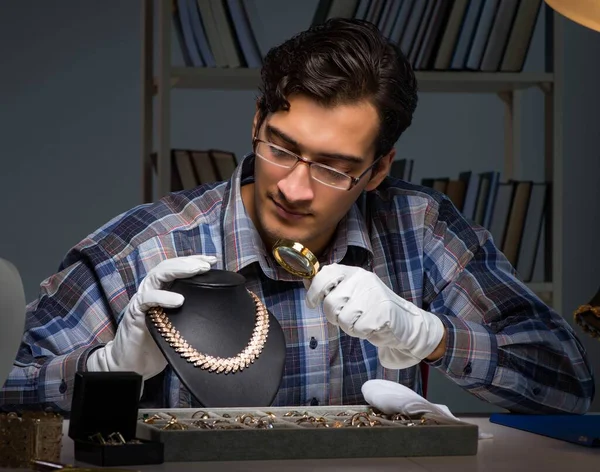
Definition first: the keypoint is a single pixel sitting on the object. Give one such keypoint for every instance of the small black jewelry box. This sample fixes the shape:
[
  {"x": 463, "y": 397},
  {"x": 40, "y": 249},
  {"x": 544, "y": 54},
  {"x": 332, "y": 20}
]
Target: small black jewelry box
[{"x": 103, "y": 420}]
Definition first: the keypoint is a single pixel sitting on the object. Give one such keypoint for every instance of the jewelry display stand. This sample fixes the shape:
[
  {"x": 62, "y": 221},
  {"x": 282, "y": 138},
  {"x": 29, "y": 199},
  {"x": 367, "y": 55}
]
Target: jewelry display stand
[
  {"x": 320, "y": 432},
  {"x": 226, "y": 348}
]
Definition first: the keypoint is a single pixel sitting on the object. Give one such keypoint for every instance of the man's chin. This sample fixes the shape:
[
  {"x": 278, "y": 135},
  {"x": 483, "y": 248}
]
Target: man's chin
[
  {"x": 289, "y": 237},
  {"x": 274, "y": 236}
]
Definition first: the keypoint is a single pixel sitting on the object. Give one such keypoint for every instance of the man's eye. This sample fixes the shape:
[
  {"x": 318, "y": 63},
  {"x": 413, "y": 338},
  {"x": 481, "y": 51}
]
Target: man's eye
[
  {"x": 278, "y": 152},
  {"x": 338, "y": 167}
]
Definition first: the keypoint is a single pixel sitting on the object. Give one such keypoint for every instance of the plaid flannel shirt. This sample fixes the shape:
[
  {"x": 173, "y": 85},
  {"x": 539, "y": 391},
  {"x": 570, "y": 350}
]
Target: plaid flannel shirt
[{"x": 503, "y": 344}]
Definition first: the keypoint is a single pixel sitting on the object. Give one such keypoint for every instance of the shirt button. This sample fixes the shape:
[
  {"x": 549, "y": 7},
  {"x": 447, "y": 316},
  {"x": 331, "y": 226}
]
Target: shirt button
[
  {"x": 313, "y": 343},
  {"x": 62, "y": 387},
  {"x": 314, "y": 402},
  {"x": 468, "y": 369}
]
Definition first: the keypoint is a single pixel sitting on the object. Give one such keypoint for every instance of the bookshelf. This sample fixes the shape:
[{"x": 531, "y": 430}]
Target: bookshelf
[
  {"x": 160, "y": 79},
  {"x": 429, "y": 82}
]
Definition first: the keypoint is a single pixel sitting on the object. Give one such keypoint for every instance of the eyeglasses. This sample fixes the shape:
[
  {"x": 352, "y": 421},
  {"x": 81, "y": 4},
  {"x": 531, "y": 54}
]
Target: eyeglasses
[{"x": 323, "y": 174}]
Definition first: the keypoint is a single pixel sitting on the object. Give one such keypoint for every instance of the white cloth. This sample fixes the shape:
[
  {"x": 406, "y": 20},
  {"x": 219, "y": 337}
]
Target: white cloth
[
  {"x": 363, "y": 306},
  {"x": 391, "y": 398},
  {"x": 133, "y": 348}
]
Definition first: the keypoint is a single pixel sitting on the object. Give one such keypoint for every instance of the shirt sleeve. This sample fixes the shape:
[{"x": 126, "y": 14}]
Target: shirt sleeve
[
  {"x": 73, "y": 315},
  {"x": 504, "y": 345}
]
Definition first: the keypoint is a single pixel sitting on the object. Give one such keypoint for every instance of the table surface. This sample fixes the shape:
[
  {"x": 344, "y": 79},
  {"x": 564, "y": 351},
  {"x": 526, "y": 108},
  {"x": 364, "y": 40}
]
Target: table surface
[{"x": 509, "y": 450}]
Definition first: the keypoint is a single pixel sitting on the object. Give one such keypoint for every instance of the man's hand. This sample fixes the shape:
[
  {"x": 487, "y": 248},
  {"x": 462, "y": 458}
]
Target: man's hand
[
  {"x": 133, "y": 348},
  {"x": 363, "y": 306}
]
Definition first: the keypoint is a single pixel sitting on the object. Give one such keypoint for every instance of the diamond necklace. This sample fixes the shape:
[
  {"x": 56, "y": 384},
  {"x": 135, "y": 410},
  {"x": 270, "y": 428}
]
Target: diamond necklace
[{"x": 212, "y": 363}]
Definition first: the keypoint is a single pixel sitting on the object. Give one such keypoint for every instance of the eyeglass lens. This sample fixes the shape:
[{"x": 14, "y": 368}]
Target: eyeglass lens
[{"x": 283, "y": 158}]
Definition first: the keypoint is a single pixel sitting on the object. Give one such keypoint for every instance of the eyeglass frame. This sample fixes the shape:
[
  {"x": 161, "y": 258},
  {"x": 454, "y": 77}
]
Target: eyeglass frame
[{"x": 353, "y": 180}]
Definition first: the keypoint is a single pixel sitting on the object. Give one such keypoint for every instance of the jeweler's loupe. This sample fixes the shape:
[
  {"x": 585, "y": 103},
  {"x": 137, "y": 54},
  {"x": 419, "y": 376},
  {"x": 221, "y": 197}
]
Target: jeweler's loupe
[{"x": 296, "y": 258}]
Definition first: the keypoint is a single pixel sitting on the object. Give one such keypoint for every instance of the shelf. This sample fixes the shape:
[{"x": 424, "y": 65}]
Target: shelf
[{"x": 429, "y": 81}]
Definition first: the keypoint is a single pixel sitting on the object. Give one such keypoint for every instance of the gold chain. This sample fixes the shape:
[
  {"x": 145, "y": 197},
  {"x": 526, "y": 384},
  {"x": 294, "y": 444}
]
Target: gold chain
[{"x": 215, "y": 364}]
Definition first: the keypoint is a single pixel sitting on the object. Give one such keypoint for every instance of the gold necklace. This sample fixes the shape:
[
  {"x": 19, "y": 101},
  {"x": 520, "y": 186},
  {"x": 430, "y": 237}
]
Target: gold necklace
[{"x": 211, "y": 363}]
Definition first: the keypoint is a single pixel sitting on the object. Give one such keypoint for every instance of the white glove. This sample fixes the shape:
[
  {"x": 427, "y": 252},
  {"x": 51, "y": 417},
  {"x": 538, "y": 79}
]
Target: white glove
[
  {"x": 364, "y": 307},
  {"x": 133, "y": 348}
]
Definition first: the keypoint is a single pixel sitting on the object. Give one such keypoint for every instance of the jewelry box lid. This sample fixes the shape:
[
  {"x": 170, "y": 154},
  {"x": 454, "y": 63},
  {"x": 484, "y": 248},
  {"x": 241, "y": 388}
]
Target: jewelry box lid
[{"x": 105, "y": 402}]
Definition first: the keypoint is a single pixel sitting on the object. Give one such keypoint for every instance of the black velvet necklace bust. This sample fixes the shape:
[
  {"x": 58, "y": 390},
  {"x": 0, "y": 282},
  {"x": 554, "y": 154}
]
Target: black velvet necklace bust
[{"x": 217, "y": 318}]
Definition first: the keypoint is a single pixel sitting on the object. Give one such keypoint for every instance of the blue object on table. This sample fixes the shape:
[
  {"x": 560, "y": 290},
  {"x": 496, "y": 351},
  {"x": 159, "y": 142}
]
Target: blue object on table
[{"x": 578, "y": 429}]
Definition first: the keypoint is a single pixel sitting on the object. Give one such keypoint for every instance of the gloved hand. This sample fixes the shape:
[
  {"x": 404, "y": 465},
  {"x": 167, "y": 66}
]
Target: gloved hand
[
  {"x": 133, "y": 348},
  {"x": 363, "y": 306}
]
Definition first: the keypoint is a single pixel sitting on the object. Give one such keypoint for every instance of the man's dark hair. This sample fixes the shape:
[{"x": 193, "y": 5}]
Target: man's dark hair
[{"x": 338, "y": 62}]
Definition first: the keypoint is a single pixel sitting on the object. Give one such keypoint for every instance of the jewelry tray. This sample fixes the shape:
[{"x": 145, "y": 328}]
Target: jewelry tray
[{"x": 288, "y": 440}]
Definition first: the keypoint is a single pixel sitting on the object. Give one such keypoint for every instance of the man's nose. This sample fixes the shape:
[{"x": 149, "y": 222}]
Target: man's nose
[{"x": 297, "y": 186}]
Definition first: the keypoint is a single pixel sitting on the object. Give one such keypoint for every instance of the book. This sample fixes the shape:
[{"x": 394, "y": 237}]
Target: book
[
  {"x": 224, "y": 163},
  {"x": 431, "y": 40},
  {"x": 229, "y": 39},
  {"x": 212, "y": 33},
  {"x": 361, "y": 9},
  {"x": 520, "y": 36},
  {"x": 204, "y": 167},
  {"x": 532, "y": 231},
  {"x": 176, "y": 183},
  {"x": 178, "y": 27},
  {"x": 483, "y": 196},
  {"x": 456, "y": 193},
  {"x": 482, "y": 34},
  {"x": 402, "y": 169},
  {"x": 321, "y": 12},
  {"x": 472, "y": 190},
  {"x": 501, "y": 212},
  {"x": 410, "y": 31},
  {"x": 450, "y": 35},
  {"x": 401, "y": 21},
  {"x": 494, "y": 177},
  {"x": 577, "y": 429},
  {"x": 516, "y": 221},
  {"x": 342, "y": 9},
  {"x": 183, "y": 8},
  {"x": 200, "y": 35},
  {"x": 503, "y": 23},
  {"x": 245, "y": 35},
  {"x": 258, "y": 26},
  {"x": 390, "y": 18},
  {"x": 185, "y": 169},
  {"x": 418, "y": 42},
  {"x": 466, "y": 35}
]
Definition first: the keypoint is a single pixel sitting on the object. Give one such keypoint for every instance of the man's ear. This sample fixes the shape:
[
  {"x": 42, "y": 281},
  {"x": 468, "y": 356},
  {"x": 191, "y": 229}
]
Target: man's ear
[
  {"x": 382, "y": 169},
  {"x": 255, "y": 120}
]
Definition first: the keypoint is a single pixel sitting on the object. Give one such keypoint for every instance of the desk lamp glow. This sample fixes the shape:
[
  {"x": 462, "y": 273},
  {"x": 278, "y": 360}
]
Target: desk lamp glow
[{"x": 584, "y": 12}]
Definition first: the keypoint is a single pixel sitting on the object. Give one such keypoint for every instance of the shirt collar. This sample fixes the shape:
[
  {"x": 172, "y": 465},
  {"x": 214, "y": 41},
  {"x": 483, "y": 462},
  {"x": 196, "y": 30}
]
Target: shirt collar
[{"x": 243, "y": 245}]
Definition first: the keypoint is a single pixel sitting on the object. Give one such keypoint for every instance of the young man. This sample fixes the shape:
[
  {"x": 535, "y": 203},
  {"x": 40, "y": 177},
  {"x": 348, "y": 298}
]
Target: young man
[{"x": 406, "y": 278}]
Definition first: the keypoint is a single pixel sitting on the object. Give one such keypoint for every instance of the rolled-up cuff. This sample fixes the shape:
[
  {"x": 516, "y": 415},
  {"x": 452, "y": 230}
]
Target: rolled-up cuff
[
  {"x": 57, "y": 377},
  {"x": 471, "y": 352}
]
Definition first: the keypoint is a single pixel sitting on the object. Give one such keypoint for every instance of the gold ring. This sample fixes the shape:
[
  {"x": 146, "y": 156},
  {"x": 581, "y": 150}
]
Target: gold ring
[
  {"x": 97, "y": 438},
  {"x": 152, "y": 419},
  {"x": 175, "y": 425},
  {"x": 117, "y": 438},
  {"x": 246, "y": 416}
]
